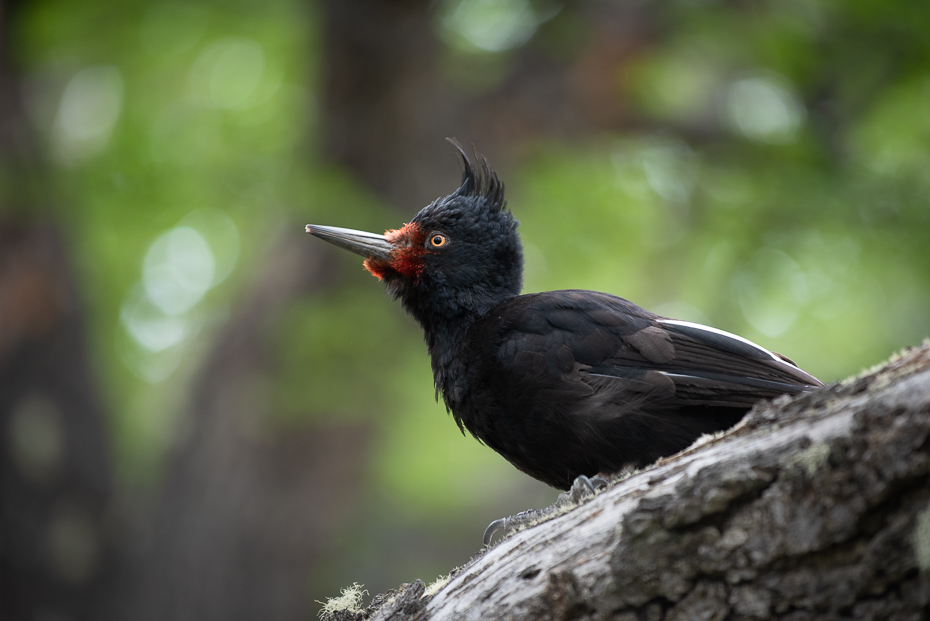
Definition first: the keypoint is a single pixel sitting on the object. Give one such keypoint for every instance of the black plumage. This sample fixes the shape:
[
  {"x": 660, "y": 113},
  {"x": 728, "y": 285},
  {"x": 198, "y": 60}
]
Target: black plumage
[{"x": 561, "y": 383}]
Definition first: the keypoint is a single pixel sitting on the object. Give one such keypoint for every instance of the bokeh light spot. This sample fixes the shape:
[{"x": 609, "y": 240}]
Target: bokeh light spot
[
  {"x": 222, "y": 237},
  {"x": 764, "y": 109},
  {"x": 178, "y": 270},
  {"x": 89, "y": 108},
  {"x": 771, "y": 291},
  {"x": 227, "y": 74},
  {"x": 72, "y": 545},
  {"x": 148, "y": 325},
  {"x": 36, "y": 438},
  {"x": 671, "y": 168},
  {"x": 490, "y": 25}
]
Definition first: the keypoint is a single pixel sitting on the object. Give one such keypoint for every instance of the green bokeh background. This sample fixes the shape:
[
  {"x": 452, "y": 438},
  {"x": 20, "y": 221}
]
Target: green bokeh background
[{"x": 803, "y": 228}]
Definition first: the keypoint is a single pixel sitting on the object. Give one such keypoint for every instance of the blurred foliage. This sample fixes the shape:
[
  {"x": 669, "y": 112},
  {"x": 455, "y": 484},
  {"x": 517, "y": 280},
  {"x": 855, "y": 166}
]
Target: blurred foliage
[
  {"x": 155, "y": 113},
  {"x": 776, "y": 186}
]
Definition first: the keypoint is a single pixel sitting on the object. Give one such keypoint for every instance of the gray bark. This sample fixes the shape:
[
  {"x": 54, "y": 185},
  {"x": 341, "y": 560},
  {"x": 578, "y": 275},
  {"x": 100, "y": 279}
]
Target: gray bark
[{"x": 816, "y": 507}]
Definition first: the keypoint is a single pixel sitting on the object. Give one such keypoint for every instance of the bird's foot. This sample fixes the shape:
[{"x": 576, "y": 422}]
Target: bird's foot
[
  {"x": 519, "y": 521},
  {"x": 581, "y": 488}
]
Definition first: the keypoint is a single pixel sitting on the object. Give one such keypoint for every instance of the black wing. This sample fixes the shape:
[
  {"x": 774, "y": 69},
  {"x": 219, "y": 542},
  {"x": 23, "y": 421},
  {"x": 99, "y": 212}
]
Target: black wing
[{"x": 592, "y": 382}]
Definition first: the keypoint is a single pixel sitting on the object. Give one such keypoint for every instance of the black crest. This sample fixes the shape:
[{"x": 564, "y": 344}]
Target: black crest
[{"x": 478, "y": 180}]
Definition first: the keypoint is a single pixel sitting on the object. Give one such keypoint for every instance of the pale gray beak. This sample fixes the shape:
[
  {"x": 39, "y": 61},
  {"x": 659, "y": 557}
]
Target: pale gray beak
[{"x": 369, "y": 245}]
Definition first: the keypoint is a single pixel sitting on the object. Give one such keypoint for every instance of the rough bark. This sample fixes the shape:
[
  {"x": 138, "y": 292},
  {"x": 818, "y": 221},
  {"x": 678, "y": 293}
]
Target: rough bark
[{"x": 816, "y": 507}]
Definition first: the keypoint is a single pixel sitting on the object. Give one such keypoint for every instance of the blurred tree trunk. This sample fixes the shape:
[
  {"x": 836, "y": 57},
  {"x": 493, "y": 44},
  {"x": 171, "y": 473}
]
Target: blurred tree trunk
[
  {"x": 393, "y": 90},
  {"x": 55, "y": 474},
  {"x": 816, "y": 507},
  {"x": 248, "y": 501},
  {"x": 386, "y": 105}
]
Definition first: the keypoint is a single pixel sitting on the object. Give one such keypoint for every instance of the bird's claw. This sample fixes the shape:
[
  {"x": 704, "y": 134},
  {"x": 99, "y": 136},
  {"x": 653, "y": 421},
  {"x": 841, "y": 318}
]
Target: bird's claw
[
  {"x": 583, "y": 486},
  {"x": 492, "y": 528},
  {"x": 508, "y": 524}
]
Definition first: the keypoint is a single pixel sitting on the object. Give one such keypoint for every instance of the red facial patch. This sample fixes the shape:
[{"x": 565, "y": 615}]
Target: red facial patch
[{"x": 407, "y": 256}]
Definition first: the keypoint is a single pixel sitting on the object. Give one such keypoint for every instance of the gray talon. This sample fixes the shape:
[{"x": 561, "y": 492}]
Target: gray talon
[
  {"x": 580, "y": 488},
  {"x": 514, "y": 522},
  {"x": 492, "y": 528}
]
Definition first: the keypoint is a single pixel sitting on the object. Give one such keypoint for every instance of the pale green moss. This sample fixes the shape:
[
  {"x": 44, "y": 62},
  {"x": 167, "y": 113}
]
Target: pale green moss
[
  {"x": 707, "y": 438},
  {"x": 893, "y": 368},
  {"x": 350, "y": 600},
  {"x": 810, "y": 459},
  {"x": 437, "y": 584}
]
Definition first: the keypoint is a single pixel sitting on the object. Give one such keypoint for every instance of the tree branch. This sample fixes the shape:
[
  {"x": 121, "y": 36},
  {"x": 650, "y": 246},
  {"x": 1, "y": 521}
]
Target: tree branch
[{"x": 812, "y": 507}]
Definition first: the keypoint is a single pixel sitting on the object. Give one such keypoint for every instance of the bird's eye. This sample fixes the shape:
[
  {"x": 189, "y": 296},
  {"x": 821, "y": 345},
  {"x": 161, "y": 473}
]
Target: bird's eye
[{"x": 437, "y": 240}]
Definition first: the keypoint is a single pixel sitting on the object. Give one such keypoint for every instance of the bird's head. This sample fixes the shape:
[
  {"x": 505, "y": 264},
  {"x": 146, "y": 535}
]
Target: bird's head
[{"x": 460, "y": 255}]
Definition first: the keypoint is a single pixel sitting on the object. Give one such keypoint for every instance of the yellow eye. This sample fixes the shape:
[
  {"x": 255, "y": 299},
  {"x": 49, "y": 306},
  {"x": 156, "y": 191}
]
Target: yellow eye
[{"x": 437, "y": 241}]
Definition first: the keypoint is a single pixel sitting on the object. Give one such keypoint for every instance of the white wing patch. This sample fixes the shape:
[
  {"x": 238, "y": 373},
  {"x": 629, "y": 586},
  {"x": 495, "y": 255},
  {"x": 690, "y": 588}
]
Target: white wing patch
[
  {"x": 697, "y": 326},
  {"x": 673, "y": 375}
]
